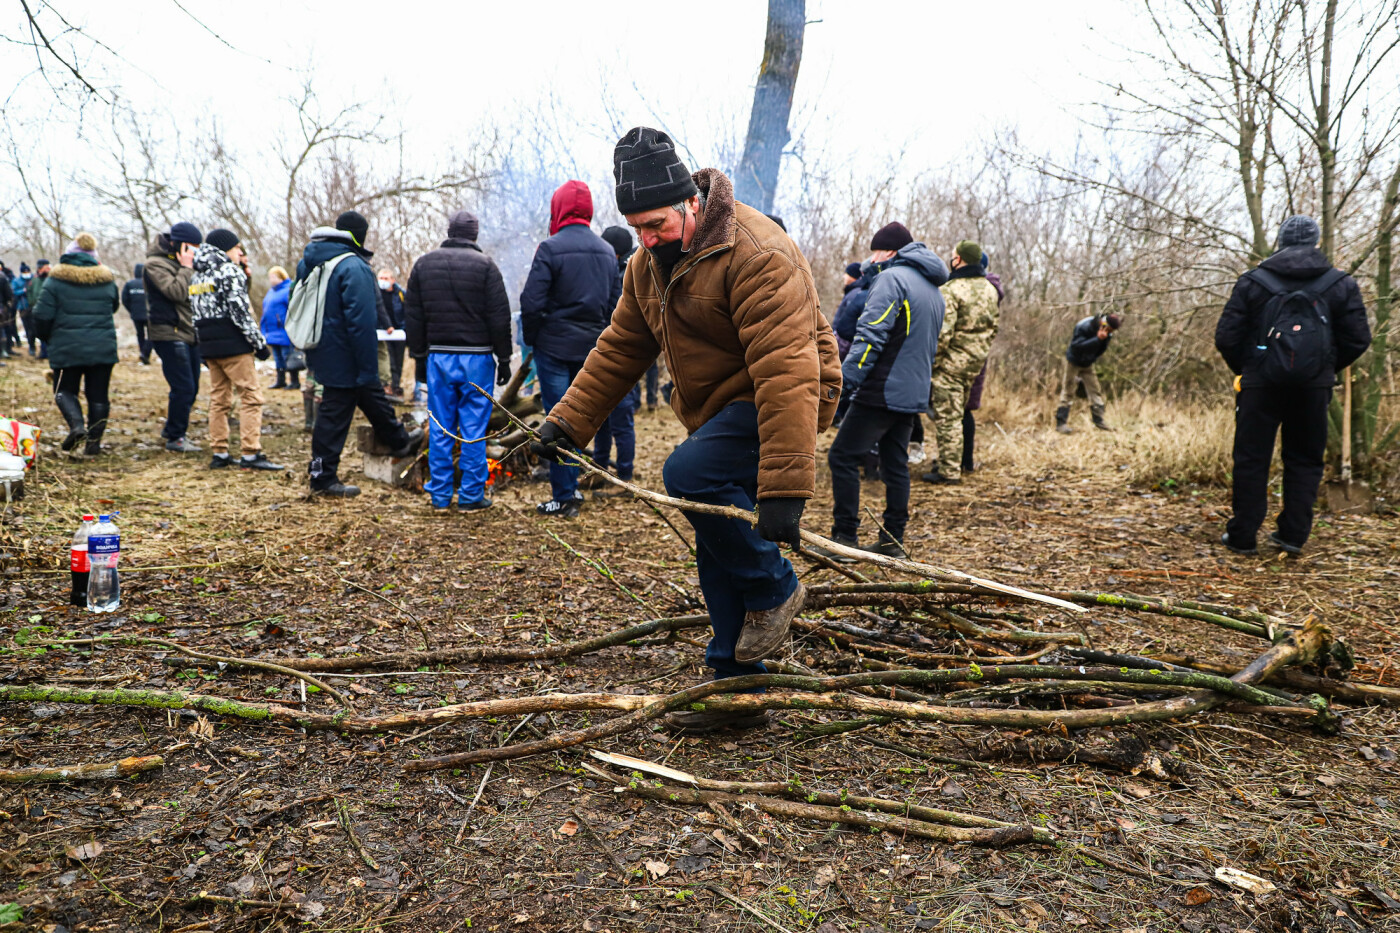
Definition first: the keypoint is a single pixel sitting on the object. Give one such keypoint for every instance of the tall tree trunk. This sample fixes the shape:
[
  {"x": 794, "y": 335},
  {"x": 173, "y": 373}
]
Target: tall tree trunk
[
  {"x": 757, "y": 176},
  {"x": 1326, "y": 154}
]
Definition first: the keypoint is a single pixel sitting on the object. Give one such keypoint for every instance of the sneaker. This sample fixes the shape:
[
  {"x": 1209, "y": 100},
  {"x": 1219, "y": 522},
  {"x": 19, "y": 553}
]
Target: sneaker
[
  {"x": 218, "y": 461},
  {"x": 258, "y": 461},
  {"x": 336, "y": 490},
  {"x": 699, "y": 722},
  {"x": 182, "y": 445},
  {"x": 764, "y": 632},
  {"x": 889, "y": 548},
  {"x": 1246, "y": 551},
  {"x": 477, "y": 506},
  {"x": 832, "y": 555},
  {"x": 938, "y": 479},
  {"x": 415, "y": 442},
  {"x": 559, "y": 509},
  {"x": 441, "y": 509},
  {"x": 1283, "y": 545},
  {"x": 916, "y": 453}
]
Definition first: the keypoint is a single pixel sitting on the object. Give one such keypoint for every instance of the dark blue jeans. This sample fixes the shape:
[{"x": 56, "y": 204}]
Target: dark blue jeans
[
  {"x": 739, "y": 571},
  {"x": 179, "y": 362},
  {"x": 619, "y": 427},
  {"x": 555, "y": 377},
  {"x": 653, "y": 384}
]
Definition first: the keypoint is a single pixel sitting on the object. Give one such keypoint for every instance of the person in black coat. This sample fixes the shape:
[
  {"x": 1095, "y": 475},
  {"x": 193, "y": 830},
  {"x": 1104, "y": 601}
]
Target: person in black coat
[
  {"x": 1268, "y": 399},
  {"x": 620, "y": 239},
  {"x": 134, "y": 301},
  {"x": 457, "y": 315},
  {"x": 567, "y": 301}
]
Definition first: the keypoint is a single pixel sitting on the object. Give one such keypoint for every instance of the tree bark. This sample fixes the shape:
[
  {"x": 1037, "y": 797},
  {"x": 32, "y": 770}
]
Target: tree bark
[{"x": 757, "y": 176}]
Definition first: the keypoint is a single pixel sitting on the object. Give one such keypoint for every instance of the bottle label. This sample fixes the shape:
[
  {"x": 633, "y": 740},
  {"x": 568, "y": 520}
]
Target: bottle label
[
  {"x": 78, "y": 561},
  {"x": 104, "y": 544}
]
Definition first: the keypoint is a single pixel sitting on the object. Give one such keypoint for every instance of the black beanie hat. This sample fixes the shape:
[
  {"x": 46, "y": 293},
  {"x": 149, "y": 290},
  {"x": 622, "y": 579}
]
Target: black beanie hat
[
  {"x": 23, "y": 268},
  {"x": 222, "y": 239},
  {"x": 354, "y": 223},
  {"x": 648, "y": 173},
  {"x": 463, "y": 225},
  {"x": 619, "y": 238},
  {"x": 893, "y": 235},
  {"x": 185, "y": 232},
  {"x": 853, "y": 270}
]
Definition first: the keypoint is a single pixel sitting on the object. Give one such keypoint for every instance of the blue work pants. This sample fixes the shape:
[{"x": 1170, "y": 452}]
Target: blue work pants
[{"x": 463, "y": 411}]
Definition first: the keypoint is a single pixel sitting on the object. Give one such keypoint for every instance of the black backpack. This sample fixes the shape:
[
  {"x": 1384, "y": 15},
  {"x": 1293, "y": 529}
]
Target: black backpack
[{"x": 1295, "y": 345}]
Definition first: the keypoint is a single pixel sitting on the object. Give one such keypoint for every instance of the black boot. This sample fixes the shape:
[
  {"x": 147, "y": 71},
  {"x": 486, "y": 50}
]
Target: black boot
[
  {"x": 969, "y": 428},
  {"x": 281, "y": 382},
  {"x": 72, "y": 411},
  {"x": 293, "y": 379},
  {"x": 1097, "y": 412},
  {"x": 97, "y": 418},
  {"x": 1062, "y": 419}
]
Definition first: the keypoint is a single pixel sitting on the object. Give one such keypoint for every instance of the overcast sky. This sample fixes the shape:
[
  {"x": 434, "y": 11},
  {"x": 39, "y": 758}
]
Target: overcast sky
[{"x": 937, "y": 76}]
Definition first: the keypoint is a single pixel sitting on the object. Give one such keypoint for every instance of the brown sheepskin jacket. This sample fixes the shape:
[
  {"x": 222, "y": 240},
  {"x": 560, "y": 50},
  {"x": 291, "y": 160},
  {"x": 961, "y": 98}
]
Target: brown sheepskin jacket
[{"x": 739, "y": 321}]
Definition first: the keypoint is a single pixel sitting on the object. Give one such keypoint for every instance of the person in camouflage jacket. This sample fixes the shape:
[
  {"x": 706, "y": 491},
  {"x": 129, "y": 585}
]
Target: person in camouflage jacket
[
  {"x": 229, "y": 339},
  {"x": 969, "y": 324}
]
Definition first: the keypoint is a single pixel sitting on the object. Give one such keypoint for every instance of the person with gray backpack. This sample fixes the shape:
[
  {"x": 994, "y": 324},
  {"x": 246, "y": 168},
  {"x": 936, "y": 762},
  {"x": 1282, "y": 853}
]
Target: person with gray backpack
[
  {"x": 1290, "y": 326},
  {"x": 333, "y": 316}
]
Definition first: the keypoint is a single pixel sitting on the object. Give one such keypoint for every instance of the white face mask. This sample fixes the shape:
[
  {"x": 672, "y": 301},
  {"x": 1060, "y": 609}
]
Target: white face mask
[{"x": 385, "y": 285}]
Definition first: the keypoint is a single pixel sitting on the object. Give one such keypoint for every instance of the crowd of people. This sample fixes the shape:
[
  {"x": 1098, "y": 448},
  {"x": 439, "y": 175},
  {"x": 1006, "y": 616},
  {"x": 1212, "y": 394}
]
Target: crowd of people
[{"x": 723, "y": 296}]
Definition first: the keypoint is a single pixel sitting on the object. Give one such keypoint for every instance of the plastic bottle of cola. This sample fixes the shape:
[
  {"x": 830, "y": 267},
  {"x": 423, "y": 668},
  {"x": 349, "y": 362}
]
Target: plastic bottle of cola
[
  {"x": 104, "y": 548},
  {"x": 78, "y": 562}
]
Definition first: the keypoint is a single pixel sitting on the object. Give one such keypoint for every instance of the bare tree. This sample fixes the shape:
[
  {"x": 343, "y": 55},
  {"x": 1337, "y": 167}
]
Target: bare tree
[{"x": 756, "y": 178}]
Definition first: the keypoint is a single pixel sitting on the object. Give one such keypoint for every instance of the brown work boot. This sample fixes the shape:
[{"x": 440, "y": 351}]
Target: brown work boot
[
  {"x": 764, "y": 632},
  {"x": 697, "y": 722}
]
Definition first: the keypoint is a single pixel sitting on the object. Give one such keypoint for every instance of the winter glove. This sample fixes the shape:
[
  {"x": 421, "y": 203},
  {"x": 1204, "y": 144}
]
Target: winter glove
[
  {"x": 502, "y": 372},
  {"x": 552, "y": 441},
  {"x": 263, "y": 353},
  {"x": 780, "y": 520}
]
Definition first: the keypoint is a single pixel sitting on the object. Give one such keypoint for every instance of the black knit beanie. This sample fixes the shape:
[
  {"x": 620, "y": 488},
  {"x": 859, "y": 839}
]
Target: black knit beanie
[
  {"x": 354, "y": 223},
  {"x": 463, "y": 225},
  {"x": 619, "y": 238},
  {"x": 893, "y": 235},
  {"x": 648, "y": 172},
  {"x": 221, "y": 239}
]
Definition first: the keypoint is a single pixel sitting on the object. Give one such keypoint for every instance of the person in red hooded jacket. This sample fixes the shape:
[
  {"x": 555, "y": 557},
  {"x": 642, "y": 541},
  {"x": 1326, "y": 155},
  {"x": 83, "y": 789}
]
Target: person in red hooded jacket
[{"x": 567, "y": 301}]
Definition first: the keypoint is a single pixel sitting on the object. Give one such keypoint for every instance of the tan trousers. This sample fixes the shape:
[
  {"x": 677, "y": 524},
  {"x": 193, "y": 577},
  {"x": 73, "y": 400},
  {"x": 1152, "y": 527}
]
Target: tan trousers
[
  {"x": 1091, "y": 386},
  {"x": 226, "y": 375}
]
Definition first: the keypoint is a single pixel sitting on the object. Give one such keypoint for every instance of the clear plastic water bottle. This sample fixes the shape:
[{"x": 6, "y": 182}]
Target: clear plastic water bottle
[
  {"x": 78, "y": 563},
  {"x": 104, "y": 548}
]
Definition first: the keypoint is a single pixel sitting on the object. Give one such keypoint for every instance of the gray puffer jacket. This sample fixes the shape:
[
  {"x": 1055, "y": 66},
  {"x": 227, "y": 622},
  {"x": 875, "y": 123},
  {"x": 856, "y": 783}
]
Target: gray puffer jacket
[{"x": 891, "y": 358}]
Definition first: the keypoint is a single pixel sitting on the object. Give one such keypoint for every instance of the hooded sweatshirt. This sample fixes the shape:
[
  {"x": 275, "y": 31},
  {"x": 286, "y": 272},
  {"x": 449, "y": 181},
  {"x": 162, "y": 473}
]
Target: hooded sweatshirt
[
  {"x": 574, "y": 283},
  {"x": 1238, "y": 333},
  {"x": 219, "y": 301},
  {"x": 891, "y": 357}
]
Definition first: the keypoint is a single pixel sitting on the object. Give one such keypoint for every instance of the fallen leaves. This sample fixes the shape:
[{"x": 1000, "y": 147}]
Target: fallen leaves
[
  {"x": 88, "y": 850},
  {"x": 569, "y": 828},
  {"x": 1197, "y": 896},
  {"x": 656, "y": 869}
]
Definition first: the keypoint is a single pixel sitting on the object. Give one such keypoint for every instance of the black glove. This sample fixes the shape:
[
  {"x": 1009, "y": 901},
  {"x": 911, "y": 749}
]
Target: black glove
[
  {"x": 502, "y": 372},
  {"x": 553, "y": 439},
  {"x": 780, "y": 520},
  {"x": 262, "y": 352}
]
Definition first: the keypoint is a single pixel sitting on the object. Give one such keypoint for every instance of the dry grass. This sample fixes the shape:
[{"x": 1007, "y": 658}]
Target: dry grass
[{"x": 1157, "y": 441}]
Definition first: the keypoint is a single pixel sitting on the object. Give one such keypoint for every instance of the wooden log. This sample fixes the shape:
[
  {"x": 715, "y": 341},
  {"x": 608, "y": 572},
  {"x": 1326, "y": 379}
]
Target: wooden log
[{"x": 90, "y": 771}]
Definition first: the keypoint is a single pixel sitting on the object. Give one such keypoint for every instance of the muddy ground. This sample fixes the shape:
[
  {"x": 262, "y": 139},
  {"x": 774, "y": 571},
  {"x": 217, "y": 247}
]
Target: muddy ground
[{"x": 258, "y": 814}]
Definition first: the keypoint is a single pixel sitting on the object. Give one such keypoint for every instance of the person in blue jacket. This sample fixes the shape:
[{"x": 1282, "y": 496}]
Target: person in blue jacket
[
  {"x": 887, "y": 374},
  {"x": 274, "y": 326},
  {"x": 568, "y": 300},
  {"x": 346, "y": 360}
]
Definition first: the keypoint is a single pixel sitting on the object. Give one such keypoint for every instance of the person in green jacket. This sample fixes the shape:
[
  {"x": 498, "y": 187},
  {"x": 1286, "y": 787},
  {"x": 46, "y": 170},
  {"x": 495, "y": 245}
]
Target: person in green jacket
[{"x": 75, "y": 316}]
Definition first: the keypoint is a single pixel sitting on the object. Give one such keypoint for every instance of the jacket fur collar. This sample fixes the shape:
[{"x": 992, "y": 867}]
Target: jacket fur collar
[
  {"x": 715, "y": 223},
  {"x": 82, "y": 275}
]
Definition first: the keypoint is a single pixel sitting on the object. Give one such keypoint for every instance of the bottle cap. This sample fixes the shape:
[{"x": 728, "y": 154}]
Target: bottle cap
[
  {"x": 89, "y": 518},
  {"x": 102, "y": 518}
]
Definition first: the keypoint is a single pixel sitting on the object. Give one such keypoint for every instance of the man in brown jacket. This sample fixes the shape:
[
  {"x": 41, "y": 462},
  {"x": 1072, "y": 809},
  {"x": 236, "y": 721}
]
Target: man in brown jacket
[{"x": 729, "y": 300}]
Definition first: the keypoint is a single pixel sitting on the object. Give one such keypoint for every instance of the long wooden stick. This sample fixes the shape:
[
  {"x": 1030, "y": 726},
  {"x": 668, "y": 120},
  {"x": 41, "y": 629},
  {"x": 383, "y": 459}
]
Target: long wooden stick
[
  {"x": 93, "y": 771},
  {"x": 583, "y": 461}
]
